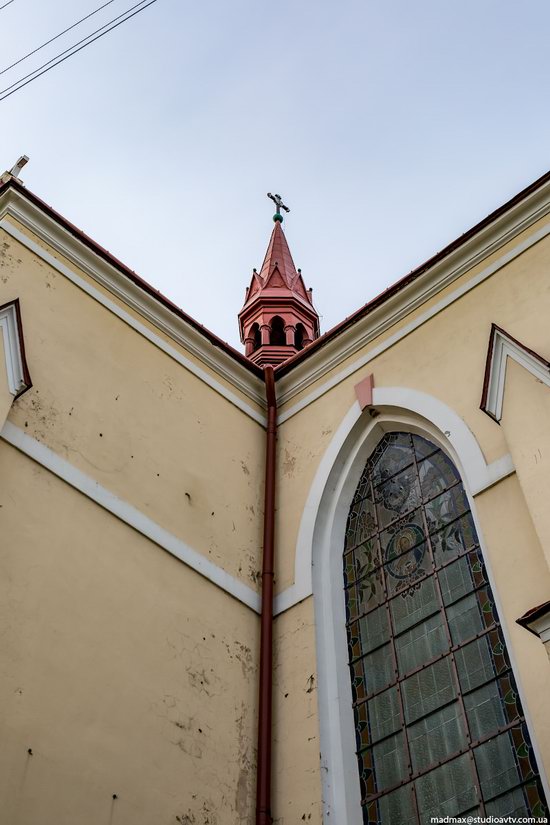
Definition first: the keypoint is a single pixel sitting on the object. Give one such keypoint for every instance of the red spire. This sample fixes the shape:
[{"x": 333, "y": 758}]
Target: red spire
[{"x": 278, "y": 317}]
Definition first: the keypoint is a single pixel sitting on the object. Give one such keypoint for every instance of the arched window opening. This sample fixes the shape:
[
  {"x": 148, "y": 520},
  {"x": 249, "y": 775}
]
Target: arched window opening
[
  {"x": 299, "y": 336},
  {"x": 257, "y": 335},
  {"x": 440, "y": 730},
  {"x": 277, "y": 335}
]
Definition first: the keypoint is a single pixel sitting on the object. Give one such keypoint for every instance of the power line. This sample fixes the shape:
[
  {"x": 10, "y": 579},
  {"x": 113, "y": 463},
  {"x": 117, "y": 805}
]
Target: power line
[
  {"x": 70, "y": 48},
  {"x": 6, "y": 4},
  {"x": 47, "y": 43},
  {"x": 19, "y": 84}
]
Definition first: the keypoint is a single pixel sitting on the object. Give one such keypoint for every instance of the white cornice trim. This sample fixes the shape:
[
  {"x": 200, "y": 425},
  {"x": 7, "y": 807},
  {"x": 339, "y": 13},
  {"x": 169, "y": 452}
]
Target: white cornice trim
[
  {"x": 13, "y": 350},
  {"x": 540, "y": 625},
  {"x": 501, "y": 347},
  {"x": 486, "y": 242},
  {"x": 14, "y": 204},
  {"x": 129, "y": 515}
]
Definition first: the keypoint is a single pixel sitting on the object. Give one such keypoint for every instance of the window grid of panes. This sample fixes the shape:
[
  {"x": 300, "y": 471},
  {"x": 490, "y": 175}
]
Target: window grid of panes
[{"x": 439, "y": 726}]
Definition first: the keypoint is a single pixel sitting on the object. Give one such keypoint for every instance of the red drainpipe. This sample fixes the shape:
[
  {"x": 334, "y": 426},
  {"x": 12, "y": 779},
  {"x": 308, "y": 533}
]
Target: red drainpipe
[{"x": 263, "y": 786}]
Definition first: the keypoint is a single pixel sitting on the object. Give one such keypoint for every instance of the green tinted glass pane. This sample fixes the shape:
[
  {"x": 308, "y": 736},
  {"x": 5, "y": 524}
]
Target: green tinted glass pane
[
  {"x": 474, "y": 663},
  {"x": 437, "y": 473},
  {"x": 378, "y": 669},
  {"x": 384, "y": 716},
  {"x": 398, "y": 496},
  {"x": 484, "y": 710},
  {"x": 447, "y": 791},
  {"x": 456, "y": 580},
  {"x": 370, "y": 591},
  {"x": 496, "y": 766},
  {"x": 471, "y": 812},
  {"x": 397, "y": 807},
  {"x": 393, "y": 454},
  {"x": 421, "y": 643},
  {"x": 361, "y": 522},
  {"x": 366, "y": 557},
  {"x": 511, "y": 804},
  {"x": 389, "y": 761},
  {"x": 423, "y": 447},
  {"x": 416, "y": 602},
  {"x": 374, "y": 629},
  {"x": 454, "y": 539},
  {"x": 436, "y": 737},
  {"x": 428, "y": 689},
  {"x": 465, "y": 619},
  {"x": 446, "y": 508}
]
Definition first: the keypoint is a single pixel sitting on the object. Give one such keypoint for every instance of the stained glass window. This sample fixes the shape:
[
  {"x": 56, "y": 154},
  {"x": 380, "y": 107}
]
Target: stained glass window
[{"x": 439, "y": 726}]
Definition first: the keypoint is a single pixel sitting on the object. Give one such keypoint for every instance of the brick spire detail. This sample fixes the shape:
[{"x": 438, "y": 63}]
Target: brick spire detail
[{"x": 278, "y": 317}]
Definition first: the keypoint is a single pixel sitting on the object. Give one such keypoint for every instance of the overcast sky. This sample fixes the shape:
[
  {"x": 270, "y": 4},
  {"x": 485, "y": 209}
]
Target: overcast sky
[{"x": 389, "y": 128}]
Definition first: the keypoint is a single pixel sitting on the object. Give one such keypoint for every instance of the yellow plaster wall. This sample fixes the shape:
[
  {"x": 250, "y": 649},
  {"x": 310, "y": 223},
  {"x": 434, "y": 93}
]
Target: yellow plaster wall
[
  {"x": 296, "y": 747},
  {"x": 11, "y": 259},
  {"x": 136, "y": 421},
  {"x": 521, "y": 580},
  {"x": 122, "y": 669},
  {"x": 526, "y": 425}
]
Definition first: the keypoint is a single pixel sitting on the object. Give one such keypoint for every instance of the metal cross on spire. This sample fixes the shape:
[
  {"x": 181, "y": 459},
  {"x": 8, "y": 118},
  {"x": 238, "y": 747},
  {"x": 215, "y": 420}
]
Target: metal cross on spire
[{"x": 278, "y": 201}]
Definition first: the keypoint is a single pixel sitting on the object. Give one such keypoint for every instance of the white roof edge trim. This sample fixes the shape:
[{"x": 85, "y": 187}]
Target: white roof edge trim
[{"x": 14, "y": 204}]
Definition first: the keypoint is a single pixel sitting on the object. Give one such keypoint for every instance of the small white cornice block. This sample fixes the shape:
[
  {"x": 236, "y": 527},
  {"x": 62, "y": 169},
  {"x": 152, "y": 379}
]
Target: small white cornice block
[
  {"x": 537, "y": 621},
  {"x": 501, "y": 347},
  {"x": 17, "y": 373}
]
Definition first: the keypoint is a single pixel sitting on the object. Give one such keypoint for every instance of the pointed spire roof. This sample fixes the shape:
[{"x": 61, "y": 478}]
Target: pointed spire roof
[
  {"x": 278, "y": 317},
  {"x": 278, "y": 271}
]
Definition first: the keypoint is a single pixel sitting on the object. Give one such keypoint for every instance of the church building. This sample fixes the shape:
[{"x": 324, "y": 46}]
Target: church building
[{"x": 308, "y": 582}]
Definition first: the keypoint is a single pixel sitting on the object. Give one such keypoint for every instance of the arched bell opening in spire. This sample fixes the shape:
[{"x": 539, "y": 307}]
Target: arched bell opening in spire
[
  {"x": 257, "y": 336},
  {"x": 299, "y": 336},
  {"x": 277, "y": 337}
]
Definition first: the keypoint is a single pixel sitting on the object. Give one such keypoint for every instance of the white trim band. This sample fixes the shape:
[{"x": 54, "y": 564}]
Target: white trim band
[{"x": 129, "y": 515}]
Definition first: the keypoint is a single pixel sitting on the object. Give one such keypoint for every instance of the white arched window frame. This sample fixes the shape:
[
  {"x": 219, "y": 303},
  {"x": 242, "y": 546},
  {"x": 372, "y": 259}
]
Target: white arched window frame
[{"x": 321, "y": 543}]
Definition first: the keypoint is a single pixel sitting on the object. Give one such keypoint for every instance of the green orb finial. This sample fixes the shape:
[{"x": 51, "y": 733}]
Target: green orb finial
[{"x": 278, "y": 217}]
